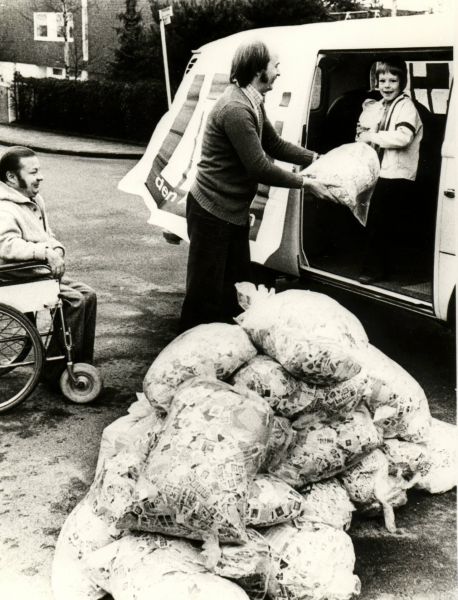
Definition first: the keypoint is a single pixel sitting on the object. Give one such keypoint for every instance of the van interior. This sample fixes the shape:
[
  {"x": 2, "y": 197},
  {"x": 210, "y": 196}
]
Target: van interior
[{"x": 333, "y": 239}]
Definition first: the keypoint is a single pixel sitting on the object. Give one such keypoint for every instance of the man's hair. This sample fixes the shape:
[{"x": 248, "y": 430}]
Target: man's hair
[
  {"x": 395, "y": 66},
  {"x": 249, "y": 59},
  {"x": 10, "y": 160}
]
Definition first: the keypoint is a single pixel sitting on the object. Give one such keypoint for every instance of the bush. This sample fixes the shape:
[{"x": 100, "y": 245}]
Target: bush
[{"x": 105, "y": 108}]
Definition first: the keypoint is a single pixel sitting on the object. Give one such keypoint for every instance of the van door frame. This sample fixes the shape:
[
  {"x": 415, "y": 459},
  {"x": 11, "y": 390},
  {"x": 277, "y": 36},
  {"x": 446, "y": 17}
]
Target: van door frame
[{"x": 346, "y": 284}]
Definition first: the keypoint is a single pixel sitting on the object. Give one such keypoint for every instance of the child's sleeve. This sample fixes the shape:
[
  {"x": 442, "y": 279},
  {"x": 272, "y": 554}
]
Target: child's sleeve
[{"x": 408, "y": 124}]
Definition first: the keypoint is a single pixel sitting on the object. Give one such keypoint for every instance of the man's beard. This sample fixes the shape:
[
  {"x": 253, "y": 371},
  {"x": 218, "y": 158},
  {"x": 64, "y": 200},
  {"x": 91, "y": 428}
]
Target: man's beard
[{"x": 23, "y": 185}]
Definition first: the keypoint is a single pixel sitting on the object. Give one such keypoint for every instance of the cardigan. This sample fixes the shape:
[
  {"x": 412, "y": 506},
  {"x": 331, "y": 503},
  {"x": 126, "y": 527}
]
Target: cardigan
[
  {"x": 399, "y": 139},
  {"x": 24, "y": 230},
  {"x": 234, "y": 158}
]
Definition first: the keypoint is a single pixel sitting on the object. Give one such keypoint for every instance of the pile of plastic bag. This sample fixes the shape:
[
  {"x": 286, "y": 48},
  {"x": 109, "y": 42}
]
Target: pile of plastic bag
[{"x": 237, "y": 471}]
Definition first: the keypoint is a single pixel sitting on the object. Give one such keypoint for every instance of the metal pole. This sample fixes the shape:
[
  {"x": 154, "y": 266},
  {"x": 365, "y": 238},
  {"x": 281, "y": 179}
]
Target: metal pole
[{"x": 166, "y": 66}]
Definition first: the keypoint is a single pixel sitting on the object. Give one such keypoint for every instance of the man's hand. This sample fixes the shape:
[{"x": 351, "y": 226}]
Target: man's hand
[
  {"x": 316, "y": 188},
  {"x": 55, "y": 260}
]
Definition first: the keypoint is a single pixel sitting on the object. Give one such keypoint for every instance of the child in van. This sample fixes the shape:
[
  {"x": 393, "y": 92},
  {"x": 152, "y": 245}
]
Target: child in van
[{"x": 393, "y": 127}]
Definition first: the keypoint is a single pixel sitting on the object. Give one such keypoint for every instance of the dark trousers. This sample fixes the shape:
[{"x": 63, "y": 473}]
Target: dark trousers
[
  {"x": 389, "y": 224},
  {"x": 80, "y": 309},
  {"x": 219, "y": 257}
]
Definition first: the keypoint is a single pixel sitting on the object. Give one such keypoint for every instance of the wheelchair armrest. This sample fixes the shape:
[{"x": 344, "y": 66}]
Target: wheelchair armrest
[{"x": 18, "y": 272}]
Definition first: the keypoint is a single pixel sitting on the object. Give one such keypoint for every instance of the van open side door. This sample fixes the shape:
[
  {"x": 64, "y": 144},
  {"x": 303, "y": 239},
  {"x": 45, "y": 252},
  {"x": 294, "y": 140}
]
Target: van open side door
[{"x": 445, "y": 265}]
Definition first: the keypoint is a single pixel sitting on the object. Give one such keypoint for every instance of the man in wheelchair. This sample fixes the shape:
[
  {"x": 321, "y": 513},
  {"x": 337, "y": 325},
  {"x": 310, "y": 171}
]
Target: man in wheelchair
[{"x": 25, "y": 235}]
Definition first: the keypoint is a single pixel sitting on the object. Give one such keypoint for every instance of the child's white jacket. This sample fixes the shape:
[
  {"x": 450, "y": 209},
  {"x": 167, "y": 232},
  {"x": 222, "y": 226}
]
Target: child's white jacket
[{"x": 399, "y": 138}]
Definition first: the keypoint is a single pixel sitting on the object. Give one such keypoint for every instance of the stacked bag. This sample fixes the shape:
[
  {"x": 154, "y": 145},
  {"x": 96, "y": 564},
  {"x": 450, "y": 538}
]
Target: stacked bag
[{"x": 237, "y": 471}]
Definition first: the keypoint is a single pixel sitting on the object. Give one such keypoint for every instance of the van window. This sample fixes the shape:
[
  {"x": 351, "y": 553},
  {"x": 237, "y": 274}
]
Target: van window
[
  {"x": 333, "y": 240},
  {"x": 316, "y": 90}
]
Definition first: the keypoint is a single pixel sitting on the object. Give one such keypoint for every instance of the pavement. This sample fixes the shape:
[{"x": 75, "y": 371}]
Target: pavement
[{"x": 60, "y": 143}]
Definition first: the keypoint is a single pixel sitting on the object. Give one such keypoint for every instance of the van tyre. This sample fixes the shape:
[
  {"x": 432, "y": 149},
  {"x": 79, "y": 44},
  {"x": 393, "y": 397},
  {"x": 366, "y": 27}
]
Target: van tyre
[{"x": 87, "y": 386}]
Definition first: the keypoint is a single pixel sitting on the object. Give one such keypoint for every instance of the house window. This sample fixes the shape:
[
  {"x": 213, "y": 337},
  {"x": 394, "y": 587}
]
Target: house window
[
  {"x": 50, "y": 27},
  {"x": 56, "y": 72}
]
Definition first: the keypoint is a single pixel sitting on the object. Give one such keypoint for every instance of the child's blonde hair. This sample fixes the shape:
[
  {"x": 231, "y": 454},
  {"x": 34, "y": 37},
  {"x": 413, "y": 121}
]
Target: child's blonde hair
[{"x": 395, "y": 66}]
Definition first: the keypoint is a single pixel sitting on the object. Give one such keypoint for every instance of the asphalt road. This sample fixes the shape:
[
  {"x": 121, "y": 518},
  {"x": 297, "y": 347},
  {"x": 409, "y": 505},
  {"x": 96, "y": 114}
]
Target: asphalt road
[{"x": 49, "y": 446}]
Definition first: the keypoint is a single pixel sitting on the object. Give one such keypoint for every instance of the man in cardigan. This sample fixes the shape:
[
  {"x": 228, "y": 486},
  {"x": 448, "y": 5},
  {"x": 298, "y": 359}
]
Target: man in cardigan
[
  {"x": 237, "y": 142},
  {"x": 25, "y": 235}
]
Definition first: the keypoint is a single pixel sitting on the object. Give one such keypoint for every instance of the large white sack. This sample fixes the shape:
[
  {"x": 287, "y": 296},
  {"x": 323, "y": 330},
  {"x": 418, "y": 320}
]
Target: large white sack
[
  {"x": 407, "y": 459},
  {"x": 312, "y": 563},
  {"x": 324, "y": 448},
  {"x": 441, "y": 447},
  {"x": 373, "y": 490},
  {"x": 281, "y": 437},
  {"x": 147, "y": 567},
  {"x": 250, "y": 565},
  {"x": 272, "y": 501},
  {"x": 270, "y": 380},
  {"x": 400, "y": 408},
  {"x": 209, "y": 350},
  {"x": 138, "y": 430},
  {"x": 114, "y": 485},
  {"x": 350, "y": 173},
  {"x": 289, "y": 396},
  {"x": 311, "y": 335},
  {"x": 336, "y": 400},
  {"x": 83, "y": 533},
  {"x": 328, "y": 503},
  {"x": 195, "y": 481},
  {"x": 91, "y": 524}
]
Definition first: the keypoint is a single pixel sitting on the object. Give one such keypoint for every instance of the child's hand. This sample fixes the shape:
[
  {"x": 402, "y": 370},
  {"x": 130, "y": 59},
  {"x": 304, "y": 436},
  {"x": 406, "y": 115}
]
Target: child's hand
[
  {"x": 365, "y": 136},
  {"x": 359, "y": 130}
]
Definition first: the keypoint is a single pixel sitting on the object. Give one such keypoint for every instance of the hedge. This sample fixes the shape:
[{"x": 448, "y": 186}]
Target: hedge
[{"x": 112, "y": 109}]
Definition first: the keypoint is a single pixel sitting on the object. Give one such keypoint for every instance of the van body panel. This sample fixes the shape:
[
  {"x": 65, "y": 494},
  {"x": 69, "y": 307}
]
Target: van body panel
[
  {"x": 446, "y": 266},
  {"x": 278, "y": 223}
]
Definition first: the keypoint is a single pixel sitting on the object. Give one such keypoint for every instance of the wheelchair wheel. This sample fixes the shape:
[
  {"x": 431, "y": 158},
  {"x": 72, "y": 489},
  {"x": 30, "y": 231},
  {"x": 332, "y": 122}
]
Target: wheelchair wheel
[
  {"x": 87, "y": 387},
  {"x": 22, "y": 348},
  {"x": 21, "y": 357}
]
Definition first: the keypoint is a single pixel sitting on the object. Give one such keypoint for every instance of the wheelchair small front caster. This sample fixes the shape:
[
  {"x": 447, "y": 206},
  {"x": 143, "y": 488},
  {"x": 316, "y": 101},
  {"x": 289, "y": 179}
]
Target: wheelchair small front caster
[{"x": 86, "y": 386}]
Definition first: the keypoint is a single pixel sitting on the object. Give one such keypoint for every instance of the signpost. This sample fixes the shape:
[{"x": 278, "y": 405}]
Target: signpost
[{"x": 165, "y": 16}]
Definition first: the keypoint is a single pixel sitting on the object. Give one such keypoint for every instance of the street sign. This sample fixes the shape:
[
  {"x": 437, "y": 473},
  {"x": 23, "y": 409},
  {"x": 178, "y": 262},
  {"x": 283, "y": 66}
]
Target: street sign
[{"x": 165, "y": 14}]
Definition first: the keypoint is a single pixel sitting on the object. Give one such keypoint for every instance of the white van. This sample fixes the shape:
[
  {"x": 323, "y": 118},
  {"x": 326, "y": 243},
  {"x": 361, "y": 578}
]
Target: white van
[{"x": 325, "y": 76}]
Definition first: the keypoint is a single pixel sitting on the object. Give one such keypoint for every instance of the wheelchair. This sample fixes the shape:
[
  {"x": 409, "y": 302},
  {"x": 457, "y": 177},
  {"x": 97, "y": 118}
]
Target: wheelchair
[{"x": 29, "y": 302}]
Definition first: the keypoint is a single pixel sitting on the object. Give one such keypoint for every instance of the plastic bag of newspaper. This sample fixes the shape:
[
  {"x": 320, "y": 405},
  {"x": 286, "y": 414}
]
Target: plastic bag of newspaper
[
  {"x": 272, "y": 501},
  {"x": 142, "y": 567},
  {"x": 324, "y": 448},
  {"x": 373, "y": 490},
  {"x": 209, "y": 350},
  {"x": 281, "y": 438},
  {"x": 400, "y": 407},
  {"x": 311, "y": 335},
  {"x": 350, "y": 173},
  {"x": 195, "y": 481},
  {"x": 441, "y": 446},
  {"x": 82, "y": 533},
  {"x": 328, "y": 503},
  {"x": 312, "y": 563}
]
